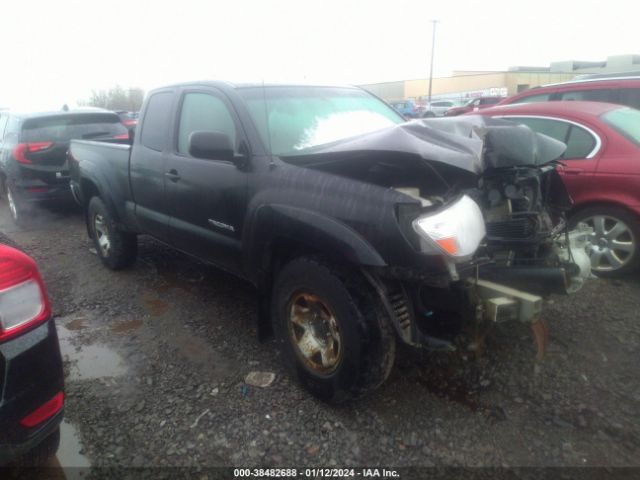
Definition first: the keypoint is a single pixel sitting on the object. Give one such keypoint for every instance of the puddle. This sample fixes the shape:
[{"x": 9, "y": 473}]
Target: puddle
[
  {"x": 69, "y": 451},
  {"x": 127, "y": 326},
  {"x": 89, "y": 361},
  {"x": 155, "y": 306},
  {"x": 76, "y": 324}
]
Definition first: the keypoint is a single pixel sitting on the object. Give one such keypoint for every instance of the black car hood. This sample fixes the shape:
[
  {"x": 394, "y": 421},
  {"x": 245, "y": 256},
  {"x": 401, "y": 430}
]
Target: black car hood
[{"x": 474, "y": 143}]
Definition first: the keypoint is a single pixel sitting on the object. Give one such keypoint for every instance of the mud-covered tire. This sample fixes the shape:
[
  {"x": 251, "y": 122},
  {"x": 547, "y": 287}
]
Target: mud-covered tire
[
  {"x": 365, "y": 330},
  {"x": 115, "y": 248},
  {"x": 630, "y": 261}
]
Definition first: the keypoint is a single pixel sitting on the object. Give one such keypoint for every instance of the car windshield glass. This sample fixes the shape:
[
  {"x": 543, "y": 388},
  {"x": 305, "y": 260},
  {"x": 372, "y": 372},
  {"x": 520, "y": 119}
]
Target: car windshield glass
[
  {"x": 291, "y": 119},
  {"x": 625, "y": 121},
  {"x": 65, "y": 127}
]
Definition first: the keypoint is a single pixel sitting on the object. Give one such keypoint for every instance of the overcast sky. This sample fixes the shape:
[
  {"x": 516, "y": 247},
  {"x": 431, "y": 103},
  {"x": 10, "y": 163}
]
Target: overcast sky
[{"x": 56, "y": 52}]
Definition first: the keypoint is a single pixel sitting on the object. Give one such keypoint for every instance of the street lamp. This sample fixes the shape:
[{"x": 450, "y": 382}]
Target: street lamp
[{"x": 433, "y": 47}]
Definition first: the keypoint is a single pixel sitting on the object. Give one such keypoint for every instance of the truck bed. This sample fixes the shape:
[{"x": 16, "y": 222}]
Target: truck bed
[{"x": 88, "y": 160}]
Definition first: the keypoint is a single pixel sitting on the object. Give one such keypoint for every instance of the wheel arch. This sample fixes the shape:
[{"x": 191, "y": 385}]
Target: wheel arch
[
  {"x": 602, "y": 203},
  {"x": 279, "y": 234}
]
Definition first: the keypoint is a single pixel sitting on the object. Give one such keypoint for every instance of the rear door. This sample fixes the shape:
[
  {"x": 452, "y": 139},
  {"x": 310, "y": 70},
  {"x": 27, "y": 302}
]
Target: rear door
[
  {"x": 148, "y": 162},
  {"x": 580, "y": 159},
  {"x": 208, "y": 197}
]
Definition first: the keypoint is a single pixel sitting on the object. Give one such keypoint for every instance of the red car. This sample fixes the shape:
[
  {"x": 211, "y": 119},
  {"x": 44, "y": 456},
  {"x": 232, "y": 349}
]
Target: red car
[
  {"x": 601, "y": 169},
  {"x": 624, "y": 90},
  {"x": 474, "y": 105}
]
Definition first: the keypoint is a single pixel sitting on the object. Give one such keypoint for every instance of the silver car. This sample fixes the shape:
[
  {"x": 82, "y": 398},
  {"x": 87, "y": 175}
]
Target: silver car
[{"x": 438, "y": 108}]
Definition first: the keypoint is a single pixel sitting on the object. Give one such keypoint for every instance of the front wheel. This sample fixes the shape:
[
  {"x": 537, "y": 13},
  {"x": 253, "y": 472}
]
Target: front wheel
[
  {"x": 116, "y": 249},
  {"x": 615, "y": 248},
  {"x": 332, "y": 328}
]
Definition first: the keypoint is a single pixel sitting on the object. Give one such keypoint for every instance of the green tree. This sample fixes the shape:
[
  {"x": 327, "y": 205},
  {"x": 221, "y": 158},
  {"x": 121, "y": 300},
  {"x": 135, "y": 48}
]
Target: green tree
[{"x": 116, "y": 98}]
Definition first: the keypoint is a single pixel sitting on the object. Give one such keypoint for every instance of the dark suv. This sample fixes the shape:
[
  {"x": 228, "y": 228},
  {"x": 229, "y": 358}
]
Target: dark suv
[{"x": 33, "y": 149}]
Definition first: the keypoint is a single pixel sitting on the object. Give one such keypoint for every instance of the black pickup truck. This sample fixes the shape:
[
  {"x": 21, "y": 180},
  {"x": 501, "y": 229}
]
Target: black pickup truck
[{"x": 357, "y": 228}]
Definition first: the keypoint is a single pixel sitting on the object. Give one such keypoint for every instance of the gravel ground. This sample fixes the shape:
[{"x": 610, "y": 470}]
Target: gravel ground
[{"x": 156, "y": 358}]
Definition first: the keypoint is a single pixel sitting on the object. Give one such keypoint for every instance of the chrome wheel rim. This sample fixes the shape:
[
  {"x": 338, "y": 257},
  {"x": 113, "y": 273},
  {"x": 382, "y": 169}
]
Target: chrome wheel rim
[
  {"x": 12, "y": 205},
  {"x": 612, "y": 243},
  {"x": 314, "y": 333},
  {"x": 102, "y": 234}
]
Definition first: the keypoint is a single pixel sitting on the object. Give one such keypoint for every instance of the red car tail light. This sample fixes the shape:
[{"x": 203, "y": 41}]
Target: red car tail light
[
  {"x": 24, "y": 303},
  {"x": 130, "y": 123},
  {"x": 122, "y": 136},
  {"x": 21, "y": 150},
  {"x": 44, "y": 411}
]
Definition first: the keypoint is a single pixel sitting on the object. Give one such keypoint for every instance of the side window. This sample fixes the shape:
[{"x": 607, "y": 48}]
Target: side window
[
  {"x": 551, "y": 128},
  {"x": 595, "y": 95},
  {"x": 203, "y": 111},
  {"x": 630, "y": 97},
  {"x": 3, "y": 124},
  {"x": 12, "y": 129},
  {"x": 579, "y": 144},
  {"x": 155, "y": 124},
  {"x": 541, "y": 97}
]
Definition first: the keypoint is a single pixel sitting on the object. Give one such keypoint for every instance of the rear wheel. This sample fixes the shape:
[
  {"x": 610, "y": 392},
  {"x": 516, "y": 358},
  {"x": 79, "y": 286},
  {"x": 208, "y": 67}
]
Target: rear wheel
[
  {"x": 16, "y": 207},
  {"x": 116, "y": 249},
  {"x": 615, "y": 239},
  {"x": 333, "y": 329}
]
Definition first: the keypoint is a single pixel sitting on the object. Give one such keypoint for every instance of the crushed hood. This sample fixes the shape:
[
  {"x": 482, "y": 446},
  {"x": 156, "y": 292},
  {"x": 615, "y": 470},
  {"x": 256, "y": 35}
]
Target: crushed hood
[{"x": 472, "y": 143}]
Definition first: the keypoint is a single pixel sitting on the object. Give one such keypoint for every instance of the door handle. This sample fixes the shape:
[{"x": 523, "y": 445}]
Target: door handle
[
  {"x": 572, "y": 171},
  {"x": 172, "y": 175}
]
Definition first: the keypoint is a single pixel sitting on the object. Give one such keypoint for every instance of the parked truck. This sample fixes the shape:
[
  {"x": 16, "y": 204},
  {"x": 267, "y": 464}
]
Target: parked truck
[{"x": 357, "y": 228}]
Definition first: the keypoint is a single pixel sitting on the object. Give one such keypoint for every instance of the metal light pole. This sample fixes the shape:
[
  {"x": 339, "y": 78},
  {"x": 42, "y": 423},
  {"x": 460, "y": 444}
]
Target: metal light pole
[{"x": 433, "y": 47}]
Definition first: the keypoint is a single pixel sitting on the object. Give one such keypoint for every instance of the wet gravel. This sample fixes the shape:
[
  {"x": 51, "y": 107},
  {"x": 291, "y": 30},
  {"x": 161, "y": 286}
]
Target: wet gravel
[{"x": 181, "y": 339}]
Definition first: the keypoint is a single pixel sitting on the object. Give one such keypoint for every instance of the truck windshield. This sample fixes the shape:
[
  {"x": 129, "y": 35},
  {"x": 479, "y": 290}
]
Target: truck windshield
[{"x": 291, "y": 119}]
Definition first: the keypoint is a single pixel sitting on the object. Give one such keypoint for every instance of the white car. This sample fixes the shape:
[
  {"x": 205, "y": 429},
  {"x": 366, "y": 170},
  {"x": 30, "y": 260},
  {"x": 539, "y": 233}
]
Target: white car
[{"x": 438, "y": 108}]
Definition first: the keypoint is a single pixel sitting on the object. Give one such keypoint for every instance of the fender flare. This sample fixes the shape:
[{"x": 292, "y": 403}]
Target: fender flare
[{"x": 270, "y": 223}]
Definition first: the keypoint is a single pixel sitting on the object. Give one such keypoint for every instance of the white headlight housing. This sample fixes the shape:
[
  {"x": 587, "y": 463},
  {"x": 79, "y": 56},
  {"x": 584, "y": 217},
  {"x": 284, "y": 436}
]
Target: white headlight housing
[{"x": 455, "y": 231}]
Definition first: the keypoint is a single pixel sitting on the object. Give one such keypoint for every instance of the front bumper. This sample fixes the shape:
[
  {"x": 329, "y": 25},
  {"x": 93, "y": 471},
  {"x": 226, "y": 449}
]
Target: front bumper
[{"x": 30, "y": 375}]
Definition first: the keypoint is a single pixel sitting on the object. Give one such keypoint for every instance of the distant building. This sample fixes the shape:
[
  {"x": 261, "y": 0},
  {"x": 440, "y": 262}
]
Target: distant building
[{"x": 470, "y": 84}]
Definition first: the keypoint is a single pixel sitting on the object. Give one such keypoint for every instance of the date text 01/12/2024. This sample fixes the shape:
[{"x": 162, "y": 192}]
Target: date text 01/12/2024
[{"x": 315, "y": 473}]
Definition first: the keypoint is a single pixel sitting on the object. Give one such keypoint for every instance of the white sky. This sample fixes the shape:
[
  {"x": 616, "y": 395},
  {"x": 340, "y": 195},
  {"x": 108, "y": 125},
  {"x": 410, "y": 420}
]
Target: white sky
[{"x": 56, "y": 52}]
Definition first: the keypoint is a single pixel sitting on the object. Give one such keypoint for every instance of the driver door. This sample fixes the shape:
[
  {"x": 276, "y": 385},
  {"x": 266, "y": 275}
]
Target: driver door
[{"x": 208, "y": 196}]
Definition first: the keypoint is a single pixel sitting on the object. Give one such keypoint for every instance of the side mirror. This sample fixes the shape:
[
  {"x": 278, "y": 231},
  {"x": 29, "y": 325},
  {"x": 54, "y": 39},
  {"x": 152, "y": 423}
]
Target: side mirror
[{"x": 211, "y": 145}]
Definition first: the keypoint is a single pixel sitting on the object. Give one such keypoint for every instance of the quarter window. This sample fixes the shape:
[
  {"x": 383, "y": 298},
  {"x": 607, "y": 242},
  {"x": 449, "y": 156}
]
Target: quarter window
[
  {"x": 203, "y": 112},
  {"x": 155, "y": 126},
  {"x": 580, "y": 143}
]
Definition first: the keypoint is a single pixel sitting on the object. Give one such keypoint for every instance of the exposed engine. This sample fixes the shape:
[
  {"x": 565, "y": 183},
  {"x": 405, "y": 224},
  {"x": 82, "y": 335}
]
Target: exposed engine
[{"x": 528, "y": 241}]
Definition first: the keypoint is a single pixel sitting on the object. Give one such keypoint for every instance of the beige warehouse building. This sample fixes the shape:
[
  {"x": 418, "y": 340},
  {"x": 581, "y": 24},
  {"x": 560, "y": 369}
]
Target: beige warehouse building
[{"x": 471, "y": 84}]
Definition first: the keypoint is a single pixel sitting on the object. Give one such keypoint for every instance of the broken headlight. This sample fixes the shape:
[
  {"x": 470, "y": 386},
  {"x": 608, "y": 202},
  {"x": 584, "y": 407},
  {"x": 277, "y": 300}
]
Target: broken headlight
[{"x": 456, "y": 231}]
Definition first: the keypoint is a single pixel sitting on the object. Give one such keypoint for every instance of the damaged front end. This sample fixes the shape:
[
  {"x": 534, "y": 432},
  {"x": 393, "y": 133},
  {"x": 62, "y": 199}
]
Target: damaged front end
[
  {"x": 485, "y": 197},
  {"x": 528, "y": 250}
]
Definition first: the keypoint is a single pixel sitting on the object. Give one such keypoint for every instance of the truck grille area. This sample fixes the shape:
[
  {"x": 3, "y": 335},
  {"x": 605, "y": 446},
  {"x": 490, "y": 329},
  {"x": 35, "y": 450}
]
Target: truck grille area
[{"x": 521, "y": 228}]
